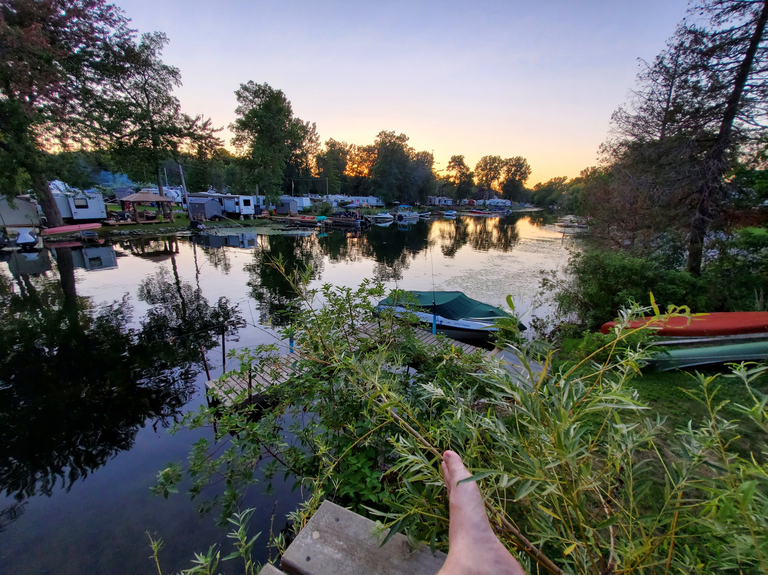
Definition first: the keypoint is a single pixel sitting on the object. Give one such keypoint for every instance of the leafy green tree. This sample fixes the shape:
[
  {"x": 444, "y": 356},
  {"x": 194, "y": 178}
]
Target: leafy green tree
[
  {"x": 696, "y": 108},
  {"x": 140, "y": 117},
  {"x": 332, "y": 163},
  {"x": 460, "y": 176},
  {"x": 549, "y": 192},
  {"x": 488, "y": 171},
  {"x": 515, "y": 172},
  {"x": 391, "y": 172},
  {"x": 50, "y": 73},
  {"x": 270, "y": 137}
]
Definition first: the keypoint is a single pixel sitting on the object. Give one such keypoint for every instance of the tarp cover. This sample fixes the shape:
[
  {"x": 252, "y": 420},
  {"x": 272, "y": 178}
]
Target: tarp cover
[{"x": 451, "y": 304}]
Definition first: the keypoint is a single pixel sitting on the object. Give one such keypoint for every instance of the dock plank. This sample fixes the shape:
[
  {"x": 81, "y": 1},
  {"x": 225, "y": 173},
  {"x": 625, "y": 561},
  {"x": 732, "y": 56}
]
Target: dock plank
[{"x": 337, "y": 541}]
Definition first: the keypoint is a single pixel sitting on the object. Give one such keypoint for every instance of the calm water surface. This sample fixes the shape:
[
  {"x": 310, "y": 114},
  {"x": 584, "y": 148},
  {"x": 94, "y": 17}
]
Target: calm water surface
[{"x": 101, "y": 353}]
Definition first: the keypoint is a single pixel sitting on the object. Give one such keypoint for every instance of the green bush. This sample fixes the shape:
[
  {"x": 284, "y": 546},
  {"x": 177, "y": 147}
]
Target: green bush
[{"x": 600, "y": 282}]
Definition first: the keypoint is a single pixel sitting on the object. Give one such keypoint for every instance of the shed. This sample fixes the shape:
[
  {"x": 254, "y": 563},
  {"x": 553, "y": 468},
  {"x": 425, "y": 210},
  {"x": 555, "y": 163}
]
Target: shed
[
  {"x": 287, "y": 206},
  {"x": 204, "y": 208}
]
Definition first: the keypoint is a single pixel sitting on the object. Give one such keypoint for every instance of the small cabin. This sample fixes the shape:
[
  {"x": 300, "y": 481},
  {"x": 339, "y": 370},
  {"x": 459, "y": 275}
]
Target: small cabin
[
  {"x": 287, "y": 205},
  {"x": 204, "y": 208}
]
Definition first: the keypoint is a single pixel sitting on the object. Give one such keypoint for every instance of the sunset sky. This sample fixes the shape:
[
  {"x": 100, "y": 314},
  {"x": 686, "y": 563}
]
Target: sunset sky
[{"x": 538, "y": 79}]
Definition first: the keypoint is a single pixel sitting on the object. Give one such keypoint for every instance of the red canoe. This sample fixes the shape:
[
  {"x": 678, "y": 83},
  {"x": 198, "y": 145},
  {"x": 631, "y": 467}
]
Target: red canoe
[
  {"x": 70, "y": 229},
  {"x": 705, "y": 324}
]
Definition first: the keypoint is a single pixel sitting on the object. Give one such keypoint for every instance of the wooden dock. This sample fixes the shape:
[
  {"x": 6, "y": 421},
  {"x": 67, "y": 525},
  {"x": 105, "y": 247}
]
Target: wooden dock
[
  {"x": 277, "y": 370},
  {"x": 337, "y": 541}
]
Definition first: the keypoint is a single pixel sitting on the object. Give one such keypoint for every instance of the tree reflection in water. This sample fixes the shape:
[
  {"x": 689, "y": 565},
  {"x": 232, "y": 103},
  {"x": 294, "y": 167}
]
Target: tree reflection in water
[
  {"x": 274, "y": 294},
  {"x": 77, "y": 382}
]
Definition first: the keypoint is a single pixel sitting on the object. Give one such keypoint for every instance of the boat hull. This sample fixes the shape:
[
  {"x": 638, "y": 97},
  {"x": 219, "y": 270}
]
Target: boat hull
[{"x": 705, "y": 324}]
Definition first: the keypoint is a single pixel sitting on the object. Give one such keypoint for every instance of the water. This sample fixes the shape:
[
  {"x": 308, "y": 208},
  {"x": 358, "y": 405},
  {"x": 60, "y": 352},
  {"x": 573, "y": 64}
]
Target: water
[{"x": 102, "y": 351}]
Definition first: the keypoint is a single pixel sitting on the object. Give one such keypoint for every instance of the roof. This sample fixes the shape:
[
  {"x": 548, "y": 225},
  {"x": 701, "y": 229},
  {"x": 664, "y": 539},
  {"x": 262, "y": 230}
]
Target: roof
[
  {"x": 145, "y": 197},
  {"x": 452, "y": 305}
]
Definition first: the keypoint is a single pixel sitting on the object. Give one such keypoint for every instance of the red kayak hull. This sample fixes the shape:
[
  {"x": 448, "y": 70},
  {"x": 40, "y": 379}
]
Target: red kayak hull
[
  {"x": 705, "y": 324},
  {"x": 70, "y": 229}
]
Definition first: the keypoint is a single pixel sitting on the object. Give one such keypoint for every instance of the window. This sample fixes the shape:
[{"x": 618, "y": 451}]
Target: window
[
  {"x": 80, "y": 203},
  {"x": 246, "y": 203}
]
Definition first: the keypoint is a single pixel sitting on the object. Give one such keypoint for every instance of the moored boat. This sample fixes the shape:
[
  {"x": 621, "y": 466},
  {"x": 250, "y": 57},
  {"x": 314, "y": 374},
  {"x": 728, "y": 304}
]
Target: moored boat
[
  {"x": 382, "y": 218},
  {"x": 452, "y": 312},
  {"x": 404, "y": 214},
  {"x": 450, "y": 214}
]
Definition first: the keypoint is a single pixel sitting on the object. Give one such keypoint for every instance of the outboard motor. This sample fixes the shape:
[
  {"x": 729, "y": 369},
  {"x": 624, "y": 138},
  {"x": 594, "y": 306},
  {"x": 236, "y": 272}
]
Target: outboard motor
[{"x": 26, "y": 240}]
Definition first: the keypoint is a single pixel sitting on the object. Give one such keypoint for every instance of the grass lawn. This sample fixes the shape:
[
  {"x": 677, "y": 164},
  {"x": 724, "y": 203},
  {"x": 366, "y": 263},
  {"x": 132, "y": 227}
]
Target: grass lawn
[{"x": 667, "y": 393}]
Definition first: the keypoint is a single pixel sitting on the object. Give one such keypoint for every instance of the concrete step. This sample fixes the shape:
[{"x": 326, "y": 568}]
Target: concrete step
[{"x": 337, "y": 541}]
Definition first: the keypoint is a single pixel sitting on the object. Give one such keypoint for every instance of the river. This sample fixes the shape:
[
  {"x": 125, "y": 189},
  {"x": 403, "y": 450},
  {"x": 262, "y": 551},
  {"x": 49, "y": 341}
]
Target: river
[{"x": 101, "y": 353}]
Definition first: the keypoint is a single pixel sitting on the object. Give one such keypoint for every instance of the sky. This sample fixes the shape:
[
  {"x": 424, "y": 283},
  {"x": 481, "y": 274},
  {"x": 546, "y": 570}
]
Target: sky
[{"x": 536, "y": 78}]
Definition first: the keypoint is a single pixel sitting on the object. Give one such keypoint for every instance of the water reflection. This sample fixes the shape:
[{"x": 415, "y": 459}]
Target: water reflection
[
  {"x": 77, "y": 381},
  {"x": 269, "y": 287}
]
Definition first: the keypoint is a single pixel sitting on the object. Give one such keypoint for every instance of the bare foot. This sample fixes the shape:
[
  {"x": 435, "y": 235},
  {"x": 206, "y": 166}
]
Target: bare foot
[{"x": 473, "y": 547}]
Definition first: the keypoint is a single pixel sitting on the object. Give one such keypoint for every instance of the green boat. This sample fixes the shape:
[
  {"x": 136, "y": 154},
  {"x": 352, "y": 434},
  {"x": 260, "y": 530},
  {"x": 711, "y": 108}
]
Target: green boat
[{"x": 450, "y": 312}]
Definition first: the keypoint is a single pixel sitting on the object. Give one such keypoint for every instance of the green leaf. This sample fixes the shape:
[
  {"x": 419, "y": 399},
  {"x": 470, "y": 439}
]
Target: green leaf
[{"x": 479, "y": 476}]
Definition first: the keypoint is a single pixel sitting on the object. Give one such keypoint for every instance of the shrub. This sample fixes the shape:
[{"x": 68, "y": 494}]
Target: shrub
[{"x": 569, "y": 458}]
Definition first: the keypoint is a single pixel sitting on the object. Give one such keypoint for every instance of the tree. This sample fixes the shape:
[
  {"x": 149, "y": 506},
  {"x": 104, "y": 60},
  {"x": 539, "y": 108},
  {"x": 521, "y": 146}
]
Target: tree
[
  {"x": 460, "y": 176},
  {"x": 549, "y": 192},
  {"x": 332, "y": 163},
  {"x": 269, "y": 135},
  {"x": 696, "y": 109},
  {"x": 488, "y": 171},
  {"x": 50, "y": 71},
  {"x": 140, "y": 117},
  {"x": 515, "y": 172}
]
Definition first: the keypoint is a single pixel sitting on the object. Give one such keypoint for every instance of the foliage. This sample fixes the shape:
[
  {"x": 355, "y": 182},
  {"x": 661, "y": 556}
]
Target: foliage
[
  {"x": 139, "y": 117},
  {"x": 697, "y": 111},
  {"x": 399, "y": 172},
  {"x": 568, "y": 459},
  {"x": 271, "y": 138},
  {"x": 598, "y": 282},
  {"x": 50, "y": 75}
]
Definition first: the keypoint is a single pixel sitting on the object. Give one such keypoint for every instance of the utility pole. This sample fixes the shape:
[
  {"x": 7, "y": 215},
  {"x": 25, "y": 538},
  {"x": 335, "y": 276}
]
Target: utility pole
[{"x": 166, "y": 176}]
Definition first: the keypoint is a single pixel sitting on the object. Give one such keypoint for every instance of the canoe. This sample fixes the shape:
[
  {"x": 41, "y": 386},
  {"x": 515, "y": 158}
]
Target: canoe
[
  {"x": 70, "y": 229},
  {"x": 704, "y": 324},
  {"x": 688, "y": 357}
]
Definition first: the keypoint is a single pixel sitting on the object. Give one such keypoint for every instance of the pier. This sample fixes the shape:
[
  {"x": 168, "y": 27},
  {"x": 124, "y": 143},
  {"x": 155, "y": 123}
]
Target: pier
[{"x": 277, "y": 370}]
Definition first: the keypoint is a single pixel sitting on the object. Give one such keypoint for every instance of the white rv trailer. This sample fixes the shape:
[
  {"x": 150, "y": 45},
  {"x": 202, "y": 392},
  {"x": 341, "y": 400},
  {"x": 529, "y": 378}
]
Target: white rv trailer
[
  {"x": 231, "y": 204},
  {"x": 81, "y": 206}
]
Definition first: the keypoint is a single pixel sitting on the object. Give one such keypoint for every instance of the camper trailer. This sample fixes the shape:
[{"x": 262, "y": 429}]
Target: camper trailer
[
  {"x": 81, "y": 206},
  {"x": 22, "y": 211},
  {"x": 231, "y": 205}
]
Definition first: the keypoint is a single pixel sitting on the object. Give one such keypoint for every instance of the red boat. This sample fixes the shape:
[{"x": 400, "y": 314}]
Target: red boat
[
  {"x": 704, "y": 324},
  {"x": 69, "y": 229}
]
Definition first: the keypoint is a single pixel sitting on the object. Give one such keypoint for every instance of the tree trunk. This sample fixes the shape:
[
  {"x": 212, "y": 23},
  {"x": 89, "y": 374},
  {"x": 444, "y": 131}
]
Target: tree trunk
[
  {"x": 715, "y": 165},
  {"x": 45, "y": 197}
]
